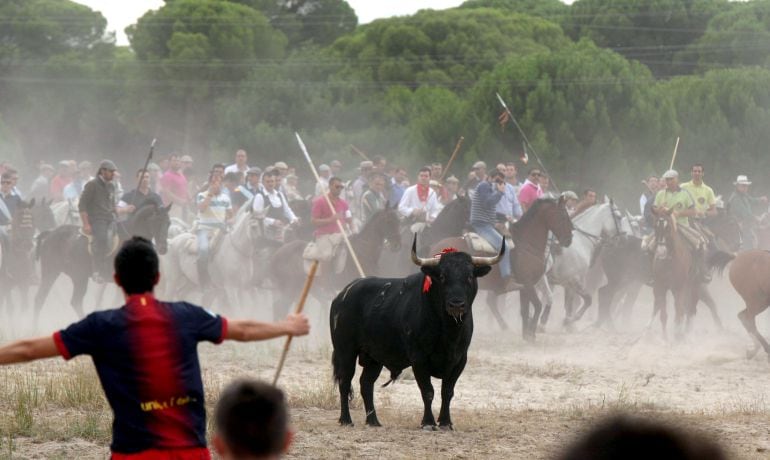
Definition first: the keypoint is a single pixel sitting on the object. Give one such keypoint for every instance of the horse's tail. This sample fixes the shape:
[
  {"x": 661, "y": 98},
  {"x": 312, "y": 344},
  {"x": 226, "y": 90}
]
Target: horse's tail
[
  {"x": 718, "y": 260},
  {"x": 39, "y": 242}
]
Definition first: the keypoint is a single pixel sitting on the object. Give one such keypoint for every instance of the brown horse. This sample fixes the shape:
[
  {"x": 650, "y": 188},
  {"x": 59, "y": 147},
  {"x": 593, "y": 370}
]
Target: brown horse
[
  {"x": 672, "y": 270},
  {"x": 530, "y": 237},
  {"x": 750, "y": 276}
]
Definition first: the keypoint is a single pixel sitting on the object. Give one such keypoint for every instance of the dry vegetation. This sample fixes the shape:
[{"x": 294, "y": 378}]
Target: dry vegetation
[{"x": 515, "y": 400}]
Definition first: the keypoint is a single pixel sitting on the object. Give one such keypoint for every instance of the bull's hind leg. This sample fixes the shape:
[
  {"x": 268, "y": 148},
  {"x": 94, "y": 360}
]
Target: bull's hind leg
[
  {"x": 422, "y": 376},
  {"x": 369, "y": 375},
  {"x": 344, "y": 369}
]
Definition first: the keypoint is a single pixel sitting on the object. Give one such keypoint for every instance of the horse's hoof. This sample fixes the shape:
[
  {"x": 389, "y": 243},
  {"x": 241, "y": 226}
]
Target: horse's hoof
[
  {"x": 429, "y": 428},
  {"x": 446, "y": 428},
  {"x": 346, "y": 422}
]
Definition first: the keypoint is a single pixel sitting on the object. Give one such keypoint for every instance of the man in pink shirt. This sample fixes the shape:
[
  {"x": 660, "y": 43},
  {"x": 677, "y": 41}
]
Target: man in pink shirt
[
  {"x": 328, "y": 237},
  {"x": 173, "y": 186},
  {"x": 530, "y": 191}
]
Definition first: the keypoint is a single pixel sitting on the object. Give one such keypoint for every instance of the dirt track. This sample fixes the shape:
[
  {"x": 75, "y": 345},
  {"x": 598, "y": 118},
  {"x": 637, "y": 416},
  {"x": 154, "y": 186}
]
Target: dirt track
[{"x": 515, "y": 400}]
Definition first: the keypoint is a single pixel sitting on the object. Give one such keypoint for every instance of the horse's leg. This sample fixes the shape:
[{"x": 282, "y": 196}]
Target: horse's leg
[
  {"x": 79, "y": 287},
  {"x": 492, "y": 301},
  {"x": 705, "y": 295},
  {"x": 660, "y": 308},
  {"x": 536, "y": 314},
  {"x": 569, "y": 304},
  {"x": 585, "y": 297},
  {"x": 544, "y": 292},
  {"x": 748, "y": 319},
  {"x": 524, "y": 308},
  {"x": 632, "y": 293},
  {"x": 47, "y": 279},
  {"x": 606, "y": 297}
]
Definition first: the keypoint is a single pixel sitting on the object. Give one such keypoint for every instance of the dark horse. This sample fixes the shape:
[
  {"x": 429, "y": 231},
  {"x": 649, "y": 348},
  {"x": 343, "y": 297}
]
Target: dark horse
[
  {"x": 65, "y": 250},
  {"x": 451, "y": 221},
  {"x": 627, "y": 267},
  {"x": 17, "y": 264},
  {"x": 530, "y": 236},
  {"x": 287, "y": 274}
]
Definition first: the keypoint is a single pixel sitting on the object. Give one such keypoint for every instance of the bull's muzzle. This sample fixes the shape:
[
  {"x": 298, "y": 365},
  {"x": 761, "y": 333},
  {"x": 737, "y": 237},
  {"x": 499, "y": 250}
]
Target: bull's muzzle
[{"x": 456, "y": 309}]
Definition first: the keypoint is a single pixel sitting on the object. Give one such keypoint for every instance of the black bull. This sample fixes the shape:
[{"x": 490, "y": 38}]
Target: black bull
[{"x": 401, "y": 322}]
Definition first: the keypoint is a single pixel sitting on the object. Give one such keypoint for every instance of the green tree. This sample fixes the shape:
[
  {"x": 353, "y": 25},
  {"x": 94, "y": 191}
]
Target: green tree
[
  {"x": 554, "y": 10},
  {"x": 650, "y": 31}
]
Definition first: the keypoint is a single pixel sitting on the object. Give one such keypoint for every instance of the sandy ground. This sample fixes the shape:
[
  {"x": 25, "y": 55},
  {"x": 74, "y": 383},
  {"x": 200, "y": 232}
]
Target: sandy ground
[{"x": 514, "y": 400}]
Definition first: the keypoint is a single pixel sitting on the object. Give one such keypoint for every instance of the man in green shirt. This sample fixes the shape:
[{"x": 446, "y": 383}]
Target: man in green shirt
[
  {"x": 702, "y": 194},
  {"x": 741, "y": 205},
  {"x": 676, "y": 200}
]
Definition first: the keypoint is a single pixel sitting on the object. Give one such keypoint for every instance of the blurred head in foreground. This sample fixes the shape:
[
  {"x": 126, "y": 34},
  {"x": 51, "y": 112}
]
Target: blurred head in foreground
[
  {"x": 630, "y": 438},
  {"x": 252, "y": 422}
]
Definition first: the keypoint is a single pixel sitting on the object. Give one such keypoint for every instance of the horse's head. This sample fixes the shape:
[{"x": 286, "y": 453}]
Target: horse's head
[
  {"x": 557, "y": 219},
  {"x": 388, "y": 224},
  {"x": 152, "y": 222}
]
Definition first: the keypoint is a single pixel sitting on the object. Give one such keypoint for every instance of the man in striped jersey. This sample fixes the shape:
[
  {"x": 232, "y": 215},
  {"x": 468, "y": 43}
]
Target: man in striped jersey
[{"x": 483, "y": 203}]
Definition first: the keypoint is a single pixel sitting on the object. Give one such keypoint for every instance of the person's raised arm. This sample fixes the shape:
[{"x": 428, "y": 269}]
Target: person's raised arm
[
  {"x": 22, "y": 351},
  {"x": 250, "y": 331}
]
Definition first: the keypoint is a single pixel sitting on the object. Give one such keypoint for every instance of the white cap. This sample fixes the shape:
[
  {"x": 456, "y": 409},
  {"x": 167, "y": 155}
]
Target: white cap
[
  {"x": 742, "y": 180},
  {"x": 670, "y": 174}
]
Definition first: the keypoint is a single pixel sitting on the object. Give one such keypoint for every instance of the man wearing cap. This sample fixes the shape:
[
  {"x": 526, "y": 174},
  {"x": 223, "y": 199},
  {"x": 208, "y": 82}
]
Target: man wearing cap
[
  {"x": 97, "y": 212},
  {"x": 324, "y": 174},
  {"x": 478, "y": 174},
  {"x": 73, "y": 190},
  {"x": 245, "y": 193},
  {"x": 741, "y": 206},
  {"x": 241, "y": 163},
  {"x": 420, "y": 203},
  {"x": 530, "y": 191},
  {"x": 40, "y": 187}
]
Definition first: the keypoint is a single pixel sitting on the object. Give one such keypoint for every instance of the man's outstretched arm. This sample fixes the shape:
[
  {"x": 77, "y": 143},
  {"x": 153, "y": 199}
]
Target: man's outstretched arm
[
  {"x": 249, "y": 331},
  {"x": 26, "y": 350}
]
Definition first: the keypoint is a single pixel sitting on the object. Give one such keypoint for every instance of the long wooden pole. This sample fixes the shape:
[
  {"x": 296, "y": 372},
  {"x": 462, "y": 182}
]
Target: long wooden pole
[
  {"x": 673, "y": 158},
  {"x": 452, "y": 158},
  {"x": 300, "y": 306},
  {"x": 360, "y": 152},
  {"x": 331, "y": 207}
]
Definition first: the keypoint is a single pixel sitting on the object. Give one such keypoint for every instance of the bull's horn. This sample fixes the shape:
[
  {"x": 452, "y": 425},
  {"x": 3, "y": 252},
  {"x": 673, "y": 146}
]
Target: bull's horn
[
  {"x": 480, "y": 261},
  {"x": 428, "y": 262}
]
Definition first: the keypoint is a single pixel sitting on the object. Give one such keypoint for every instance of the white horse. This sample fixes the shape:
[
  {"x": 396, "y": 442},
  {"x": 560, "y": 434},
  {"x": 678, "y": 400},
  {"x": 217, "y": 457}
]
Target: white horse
[
  {"x": 230, "y": 263},
  {"x": 66, "y": 212},
  {"x": 593, "y": 227}
]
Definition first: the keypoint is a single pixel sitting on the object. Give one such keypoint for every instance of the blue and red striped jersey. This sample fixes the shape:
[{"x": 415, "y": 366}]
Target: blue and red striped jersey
[{"x": 146, "y": 357}]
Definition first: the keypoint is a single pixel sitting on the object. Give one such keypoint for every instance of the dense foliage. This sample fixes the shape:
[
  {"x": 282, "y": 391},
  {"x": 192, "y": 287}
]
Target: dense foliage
[{"x": 602, "y": 87}]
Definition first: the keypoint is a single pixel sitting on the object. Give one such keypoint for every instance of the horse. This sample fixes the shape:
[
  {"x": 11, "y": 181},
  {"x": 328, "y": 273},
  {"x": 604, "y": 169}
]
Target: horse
[
  {"x": 43, "y": 216},
  {"x": 65, "y": 250},
  {"x": 17, "y": 265},
  {"x": 528, "y": 260},
  {"x": 451, "y": 221},
  {"x": 672, "y": 270},
  {"x": 592, "y": 229},
  {"x": 230, "y": 261},
  {"x": 750, "y": 277},
  {"x": 287, "y": 271}
]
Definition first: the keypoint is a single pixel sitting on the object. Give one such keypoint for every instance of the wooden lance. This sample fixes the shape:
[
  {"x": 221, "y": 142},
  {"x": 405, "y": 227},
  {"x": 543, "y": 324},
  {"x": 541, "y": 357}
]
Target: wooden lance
[
  {"x": 298, "y": 310},
  {"x": 452, "y": 158},
  {"x": 331, "y": 207},
  {"x": 359, "y": 152},
  {"x": 673, "y": 158}
]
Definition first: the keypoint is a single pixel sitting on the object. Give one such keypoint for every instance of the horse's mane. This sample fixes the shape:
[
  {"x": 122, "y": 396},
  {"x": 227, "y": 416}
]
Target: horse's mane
[{"x": 533, "y": 211}]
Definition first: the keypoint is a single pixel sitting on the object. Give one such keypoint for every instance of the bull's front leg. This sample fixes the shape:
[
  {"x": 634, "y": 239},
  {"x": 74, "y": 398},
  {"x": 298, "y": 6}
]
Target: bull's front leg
[
  {"x": 422, "y": 376},
  {"x": 447, "y": 392}
]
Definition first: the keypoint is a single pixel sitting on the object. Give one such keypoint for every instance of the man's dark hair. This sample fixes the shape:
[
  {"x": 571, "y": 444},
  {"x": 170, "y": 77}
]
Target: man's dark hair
[
  {"x": 496, "y": 174},
  {"x": 7, "y": 176},
  {"x": 217, "y": 165},
  {"x": 252, "y": 419},
  {"x": 378, "y": 159},
  {"x": 698, "y": 165},
  {"x": 424, "y": 169},
  {"x": 587, "y": 191},
  {"x": 141, "y": 171},
  {"x": 333, "y": 180},
  {"x": 531, "y": 170},
  {"x": 136, "y": 265},
  {"x": 232, "y": 177},
  {"x": 636, "y": 438}
]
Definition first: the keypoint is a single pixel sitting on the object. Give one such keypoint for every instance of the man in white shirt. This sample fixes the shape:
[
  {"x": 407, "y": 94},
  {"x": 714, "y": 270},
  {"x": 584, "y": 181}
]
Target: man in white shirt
[
  {"x": 271, "y": 205},
  {"x": 240, "y": 165},
  {"x": 214, "y": 210},
  {"x": 420, "y": 203}
]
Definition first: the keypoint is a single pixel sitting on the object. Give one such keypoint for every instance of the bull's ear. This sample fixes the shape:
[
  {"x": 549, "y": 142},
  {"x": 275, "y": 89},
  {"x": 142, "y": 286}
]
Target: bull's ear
[
  {"x": 478, "y": 272},
  {"x": 433, "y": 272}
]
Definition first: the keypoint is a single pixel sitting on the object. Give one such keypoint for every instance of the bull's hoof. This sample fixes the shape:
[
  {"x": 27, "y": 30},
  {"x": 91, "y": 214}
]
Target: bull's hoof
[
  {"x": 346, "y": 422},
  {"x": 429, "y": 428},
  {"x": 374, "y": 423},
  {"x": 447, "y": 427}
]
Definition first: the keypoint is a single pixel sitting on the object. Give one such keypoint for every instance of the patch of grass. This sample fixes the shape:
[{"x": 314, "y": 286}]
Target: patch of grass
[{"x": 322, "y": 394}]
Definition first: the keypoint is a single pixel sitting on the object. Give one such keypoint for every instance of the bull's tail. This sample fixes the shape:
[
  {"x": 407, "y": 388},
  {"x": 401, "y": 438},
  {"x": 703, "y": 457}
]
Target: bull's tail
[
  {"x": 719, "y": 260},
  {"x": 335, "y": 367},
  {"x": 39, "y": 242}
]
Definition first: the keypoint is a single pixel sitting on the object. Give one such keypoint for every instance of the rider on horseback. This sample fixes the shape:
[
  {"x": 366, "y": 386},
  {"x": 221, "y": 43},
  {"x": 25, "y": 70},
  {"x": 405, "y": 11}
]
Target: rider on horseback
[
  {"x": 420, "y": 203},
  {"x": 741, "y": 206},
  {"x": 271, "y": 205},
  {"x": 98, "y": 214},
  {"x": 8, "y": 204},
  {"x": 483, "y": 204},
  {"x": 130, "y": 201},
  {"x": 214, "y": 210}
]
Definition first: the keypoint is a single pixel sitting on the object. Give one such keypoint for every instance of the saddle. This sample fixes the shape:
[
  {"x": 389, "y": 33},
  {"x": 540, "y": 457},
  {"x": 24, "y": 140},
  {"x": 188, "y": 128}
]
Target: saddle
[
  {"x": 477, "y": 244},
  {"x": 113, "y": 247},
  {"x": 328, "y": 251}
]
